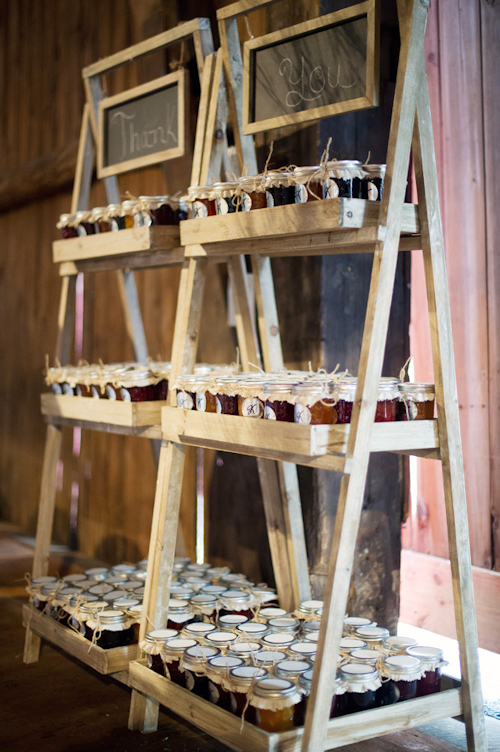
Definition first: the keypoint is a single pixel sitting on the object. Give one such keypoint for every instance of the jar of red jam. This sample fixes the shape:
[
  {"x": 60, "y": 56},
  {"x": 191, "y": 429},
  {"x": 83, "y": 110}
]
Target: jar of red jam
[
  {"x": 396, "y": 645},
  {"x": 198, "y": 630},
  {"x": 243, "y": 678},
  {"x": 308, "y": 184},
  {"x": 348, "y": 644},
  {"x": 280, "y": 188},
  {"x": 112, "y": 629},
  {"x": 345, "y": 178},
  {"x": 284, "y": 624},
  {"x": 373, "y": 636},
  {"x": 152, "y": 646},
  {"x": 315, "y": 406},
  {"x": 226, "y": 401},
  {"x": 431, "y": 660},
  {"x": 278, "y": 406},
  {"x": 388, "y": 400},
  {"x": 221, "y": 639},
  {"x": 274, "y": 701},
  {"x": 235, "y": 602},
  {"x": 179, "y": 614},
  {"x": 253, "y": 193},
  {"x": 156, "y": 210},
  {"x": 84, "y": 225},
  {"x": 226, "y": 199},
  {"x": 138, "y": 386},
  {"x": 186, "y": 394},
  {"x": 204, "y": 605},
  {"x": 35, "y": 587},
  {"x": 372, "y": 185},
  {"x": 194, "y": 664},
  {"x": 86, "y": 616},
  {"x": 252, "y": 630},
  {"x": 351, "y": 623},
  {"x": 220, "y": 686},
  {"x": 67, "y": 226},
  {"x": 99, "y": 217},
  {"x": 116, "y": 218},
  {"x": 202, "y": 201},
  {"x": 173, "y": 655},
  {"x": 250, "y": 405},
  {"x": 403, "y": 671},
  {"x": 417, "y": 401},
  {"x": 360, "y": 684}
]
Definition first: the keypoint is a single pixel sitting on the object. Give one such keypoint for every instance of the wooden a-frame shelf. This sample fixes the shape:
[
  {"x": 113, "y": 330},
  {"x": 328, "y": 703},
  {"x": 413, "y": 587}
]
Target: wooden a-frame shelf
[
  {"x": 338, "y": 225},
  {"x": 246, "y": 737},
  {"x": 103, "y": 661},
  {"x": 314, "y": 446}
]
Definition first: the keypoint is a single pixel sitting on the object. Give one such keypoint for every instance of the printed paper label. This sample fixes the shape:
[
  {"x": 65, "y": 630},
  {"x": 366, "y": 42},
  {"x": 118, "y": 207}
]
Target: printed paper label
[
  {"x": 269, "y": 198},
  {"x": 110, "y": 392},
  {"x": 372, "y": 192}
]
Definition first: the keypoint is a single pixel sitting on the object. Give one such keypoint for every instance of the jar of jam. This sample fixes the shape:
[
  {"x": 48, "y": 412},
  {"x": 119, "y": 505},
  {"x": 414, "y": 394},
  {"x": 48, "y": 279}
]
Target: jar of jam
[
  {"x": 35, "y": 587},
  {"x": 417, "y": 401},
  {"x": 431, "y": 660},
  {"x": 185, "y": 390},
  {"x": 396, "y": 645},
  {"x": 253, "y": 193},
  {"x": 360, "y": 684},
  {"x": 308, "y": 184},
  {"x": 388, "y": 400},
  {"x": 67, "y": 226},
  {"x": 302, "y": 650},
  {"x": 97, "y": 573},
  {"x": 86, "y": 616},
  {"x": 284, "y": 625},
  {"x": 220, "y": 686},
  {"x": 274, "y": 700},
  {"x": 307, "y": 609},
  {"x": 116, "y": 218},
  {"x": 250, "y": 404},
  {"x": 344, "y": 181},
  {"x": 46, "y": 598},
  {"x": 173, "y": 655},
  {"x": 291, "y": 669},
  {"x": 226, "y": 198},
  {"x": 280, "y": 188},
  {"x": 135, "y": 613},
  {"x": 305, "y": 681},
  {"x": 96, "y": 216},
  {"x": 348, "y": 644},
  {"x": 351, "y": 623},
  {"x": 179, "y": 613},
  {"x": 315, "y": 406},
  {"x": 226, "y": 401},
  {"x": 372, "y": 185},
  {"x": 277, "y": 405},
  {"x": 277, "y": 640},
  {"x": 138, "y": 386},
  {"x": 61, "y": 603},
  {"x": 152, "y": 646},
  {"x": 73, "y": 607},
  {"x": 84, "y": 224},
  {"x": 252, "y": 630},
  {"x": 132, "y": 213},
  {"x": 403, "y": 671},
  {"x": 221, "y": 639},
  {"x": 112, "y": 629},
  {"x": 156, "y": 210},
  {"x": 204, "y": 605},
  {"x": 202, "y": 201},
  {"x": 271, "y": 612},
  {"x": 204, "y": 399},
  {"x": 373, "y": 636},
  {"x": 194, "y": 665},
  {"x": 235, "y": 602},
  {"x": 198, "y": 630},
  {"x": 243, "y": 678},
  {"x": 366, "y": 655}
]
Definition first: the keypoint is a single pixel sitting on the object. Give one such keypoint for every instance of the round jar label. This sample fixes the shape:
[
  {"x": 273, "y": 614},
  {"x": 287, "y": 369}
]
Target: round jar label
[
  {"x": 213, "y": 693},
  {"x": 221, "y": 205},
  {"x": 372, "y": 191},
  {"x": 302, "y": 414},
  {"x": 184, "y": 401},
  {"x": 301, "y": 194},
  {"x": 142, "y": 219},
  {"x": 201, "y": 402},
  {"x": 56, "y": 389},
  {"x": 330, "y": 189},
  {"x": 269, "y": 198},
  {"x": 125, "y": 395},
  {"x": 412, "y": 410},
  {"x": 199, "y": 210},
  {"x": 110, "y": 392},
  {"x": 189, "y": 678},
  {"x": 269, "y": 413},
  {"x": 67, "y": 389},
  {"x": 218, "y": 406},
  {"x": 246, "y": 202},
  {"x": 95, "y": 392},
  {"x": 113, "y": 223},
  {"x": 81, "y": 231},
  {"x": 78, "y": 390},
  {"x": 252, "y": 408}
]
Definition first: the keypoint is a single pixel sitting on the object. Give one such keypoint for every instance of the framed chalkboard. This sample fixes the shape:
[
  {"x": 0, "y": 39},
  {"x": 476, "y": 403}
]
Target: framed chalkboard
[
  {"x": 312, "y": 70},
  {"x": 142, "y": 126}
]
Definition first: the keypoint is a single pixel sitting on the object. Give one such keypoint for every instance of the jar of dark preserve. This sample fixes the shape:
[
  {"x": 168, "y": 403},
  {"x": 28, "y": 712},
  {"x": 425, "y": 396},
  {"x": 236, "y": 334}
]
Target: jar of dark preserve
[
  {"x": 67, "y": 226},
  {"x": 34, "y": 589},
  {"x": 220, "y": 686},
  {"x": 243, "y": 678},
  {"x": 227, "y": 398},
  {"x": 86, "y": 616},
  {"x": 253, "y": 193},
  {"x": 315, "y": 405},
  {"x": 156, "y": 210},
  {"x": 308, "y": 184},
  {"x": 345, "y": 178},
  {"x": 173, "y": 655},
  {"x": 305, "y": 681},
  {"x": 417, "y": 401},
  {"x": 116, "y": 218},
  {"x": 277, "y": 406},
  {"x": 72, "y": 609},
  {"x": 403, "y": 671},
  {"x": 235, "y": 602},
  {"x": 372, "y": 185},
  {"x": 46, "y": 598},
  {"x": 226, "y": 199},
  {"x": 220, "y": 639},
  {"x": 194, "y": 664},
  {"x": 432, "y": 663},
  {"x": 202, "y": 201},
  {"x": 112, "y": 629},
  {"x": 388, "y": 400},
  {"x": 179, "y": 614},
  {"x": 152, "y": 646},
  {"x": 84, "y": 224},
  {"x": 280, "y": 188},
  {"x": 275, "y": 700},
  {"x": 249, "y": 403},
  {"x": 204, "y": 605},
  {"x": 61, "y": 603},
  {"x": 373, "y": 636},
  {"x": 138, "y": 386},
  {"x": 245, "y": 650},
  {"x": 361, "y": 684},
  {"x": 185, "y": 391}
]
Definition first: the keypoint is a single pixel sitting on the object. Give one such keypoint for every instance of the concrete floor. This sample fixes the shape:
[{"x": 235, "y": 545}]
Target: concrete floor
[{"x": 60, "y": 705}]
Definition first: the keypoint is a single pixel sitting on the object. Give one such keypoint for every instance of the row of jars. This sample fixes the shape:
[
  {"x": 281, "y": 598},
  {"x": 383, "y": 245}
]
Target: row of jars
[
  {"x": 140, "y": 212},
  {"x": 296, "y": 397},
  {"x": 335, "y": 179}
]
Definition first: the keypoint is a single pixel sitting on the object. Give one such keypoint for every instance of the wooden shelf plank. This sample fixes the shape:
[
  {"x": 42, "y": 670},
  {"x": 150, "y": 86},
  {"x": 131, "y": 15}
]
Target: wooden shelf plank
[
  {"x": 332, "y": 216},
  {"x": 103, "y": 661},
  {"x": 228, "y": 729},
  {"x": 121, "y": 243},
  {"x": 315, "y": 446},
  {"x": 102, "y": 414}
]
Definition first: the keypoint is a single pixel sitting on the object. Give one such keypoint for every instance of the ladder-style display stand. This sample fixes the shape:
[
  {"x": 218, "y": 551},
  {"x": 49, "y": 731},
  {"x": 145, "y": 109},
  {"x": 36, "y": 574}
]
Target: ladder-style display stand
[
  {"x": 124, "y": 251},
  {"x": 382, "y": 229}
]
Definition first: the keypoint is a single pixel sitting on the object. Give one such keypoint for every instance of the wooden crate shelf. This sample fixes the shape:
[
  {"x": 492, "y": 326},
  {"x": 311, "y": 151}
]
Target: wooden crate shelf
[
  {"x": 333, "y": 226},
  {"x": 228, "y": 729},
  {"x": 104, "y": 661},
  {"x": 124, "y": 243},
  {"x": 315, "y": 446},
  {"x": 113, "y": 416}
]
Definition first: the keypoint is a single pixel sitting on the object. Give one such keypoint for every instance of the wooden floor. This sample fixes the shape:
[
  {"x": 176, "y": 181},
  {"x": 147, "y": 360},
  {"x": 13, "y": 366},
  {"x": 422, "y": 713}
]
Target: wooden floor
[{"x": 58, "y": 705}]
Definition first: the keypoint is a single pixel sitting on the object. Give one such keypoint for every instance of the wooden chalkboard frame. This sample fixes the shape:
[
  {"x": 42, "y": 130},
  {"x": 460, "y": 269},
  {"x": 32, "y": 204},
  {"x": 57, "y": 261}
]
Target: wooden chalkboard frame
[
  {"x": 179, "y": 79},
  {"x": 368, "y": 9}
]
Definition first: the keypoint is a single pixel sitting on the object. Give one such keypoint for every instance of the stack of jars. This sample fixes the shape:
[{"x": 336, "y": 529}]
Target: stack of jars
[
  {"x": 299, "y": 397},
  {"x": 294, "y": 185},
  {"x": 140, "y": 212}
]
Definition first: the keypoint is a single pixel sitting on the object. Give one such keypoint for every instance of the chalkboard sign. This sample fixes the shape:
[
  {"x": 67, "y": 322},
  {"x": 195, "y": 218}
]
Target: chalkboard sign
[
  {"x": 142, "y": 126},
  {"x": 312, "y": 70}
]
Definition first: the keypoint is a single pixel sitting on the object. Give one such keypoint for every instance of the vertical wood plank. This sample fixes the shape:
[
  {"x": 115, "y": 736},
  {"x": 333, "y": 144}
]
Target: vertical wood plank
[
  {"x": 84, "y": 165},
  {"x": 132, "y": 312},
  {"x": 66, "y": 320}
]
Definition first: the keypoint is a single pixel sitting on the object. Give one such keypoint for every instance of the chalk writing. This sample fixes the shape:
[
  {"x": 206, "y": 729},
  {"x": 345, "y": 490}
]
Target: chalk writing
[
  {"x": 310, "y": 86},
  {"x": 132, "y": 142}
]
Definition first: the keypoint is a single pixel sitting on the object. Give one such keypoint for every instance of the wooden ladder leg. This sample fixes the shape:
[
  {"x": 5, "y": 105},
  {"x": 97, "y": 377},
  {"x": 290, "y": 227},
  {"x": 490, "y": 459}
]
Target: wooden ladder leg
[
  {"x": 448, "y": 419},
  {"x": 143, "y": 710},
  {"x": 44, "y": 525}
]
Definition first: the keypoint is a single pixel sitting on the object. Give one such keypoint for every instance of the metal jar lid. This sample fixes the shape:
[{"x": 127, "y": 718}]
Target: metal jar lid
[
  {"x": 412, "y": 387},
  {"x": 109, "y": 618},
  {"x": 203, "y": 599},
  {"x": 114, "y": 595},
  {"x": 278, "y": 639},
  {"x": 213, "y": 589},
  {"x": 272, "y": 612},
  {"x": 269, "y": 657},
  {"x": 395, "y": 642},
  {"x": 354, "y": 622},
  {"x": 402, "y": 664},
  {"x": 82, "y": 598},
  {"x": 244, "y": 649},
  {"x": 348, "y": 644},
  {"x": 247, "y": 675},
  {"x": 310, "y": 626},
  {"x": 231, "y": 621},
  {"x": 253, "y": 628},
  {"x": 284, "y": 624},
  {"x": 124, "y": 568},
  {"x": 274, "y": 688},
  {"x": 236, "y": 596},
  {"x": 73, "y": 579},
  {"x": 357, "y": 673},
  {"x": 125, "y": 603},
  {"x": 365, "y": 655},
  {"x": 372, "y": 634},
  {"x": 200, "y": 654},
  {"x": 176, "y": 606},
  {"x": 375, "y": 170},
  {"x": 101, "y": 589},
  {"x": 223, "y": 663},
  {"x": 290, "y": 669},
  {"x": 96, "y": 573},
  {"x": 223, "y": 639},
  {"x": 303, "y": 649},
  {"x": 425, "y": 653},
  {"x": 308, "y": 608},
  {"x": 90, "y": 608},
  {"x": 177, "y": 645},
  {"x": 198, "y": 629},
  {"x": 159, "y": 636}
]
